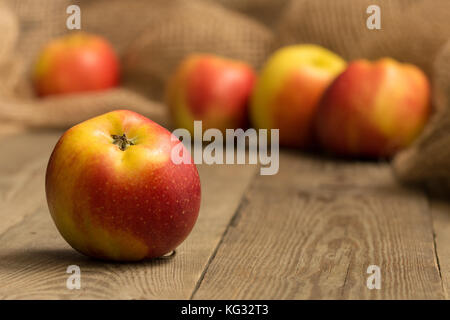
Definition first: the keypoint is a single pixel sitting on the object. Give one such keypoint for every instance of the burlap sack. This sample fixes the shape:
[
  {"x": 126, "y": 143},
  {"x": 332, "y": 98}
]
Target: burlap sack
[
  {"x": 191, "y": 27},
  {"x": 428, "y": 160},
  {"x": 265, "y": 11},
  {"x": 10, "y": 29},
  {"x": 151, "y": 37},
  {"x": 413, "y": 31},
  {"x": 41, "y": 21}
]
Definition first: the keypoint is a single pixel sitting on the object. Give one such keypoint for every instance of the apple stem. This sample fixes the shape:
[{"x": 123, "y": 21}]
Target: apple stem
[{"x": 121, "y": 141}]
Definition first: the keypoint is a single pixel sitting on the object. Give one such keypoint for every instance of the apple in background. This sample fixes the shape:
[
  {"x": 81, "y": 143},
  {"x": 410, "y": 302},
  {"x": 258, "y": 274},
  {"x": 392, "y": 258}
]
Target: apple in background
[
  {"x": 114, "y": 192},
  {"x": 213, "y": 89},
  {"x": 75, "y": 63},
  {"x": 373, "y": 109},
  {"x": 288, "y": 91}
]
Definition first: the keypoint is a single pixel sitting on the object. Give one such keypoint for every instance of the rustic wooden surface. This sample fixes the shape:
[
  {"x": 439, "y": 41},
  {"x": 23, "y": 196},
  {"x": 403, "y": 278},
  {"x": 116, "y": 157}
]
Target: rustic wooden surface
[{"x": 309, "y": 232}]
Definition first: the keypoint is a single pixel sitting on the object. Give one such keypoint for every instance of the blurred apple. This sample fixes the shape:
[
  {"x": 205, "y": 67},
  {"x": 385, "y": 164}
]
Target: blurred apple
[
  {"x": 373, "y": 109},
  {"x": 213, "y": 89},
  {"x": 288, "y": 91},
  {"x": 114, "y": 192},
  {"x": 75, "y": 63}
]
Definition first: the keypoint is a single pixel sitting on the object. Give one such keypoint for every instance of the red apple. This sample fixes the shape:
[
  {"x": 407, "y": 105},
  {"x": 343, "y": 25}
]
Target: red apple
[
  {"x": 212, "y": 89},
  {"x": 75, "y": 63},
  {"x": 373, "y": 109},
  {"x": 114, "y": 192},
  {"x": 289, "y": 89}
]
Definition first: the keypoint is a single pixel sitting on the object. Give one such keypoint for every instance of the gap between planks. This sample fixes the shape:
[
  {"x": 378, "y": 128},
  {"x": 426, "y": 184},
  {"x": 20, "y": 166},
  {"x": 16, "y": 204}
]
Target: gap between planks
[
  {"x": 232, "y": 221},
  {"x": 440, "y": 209}
]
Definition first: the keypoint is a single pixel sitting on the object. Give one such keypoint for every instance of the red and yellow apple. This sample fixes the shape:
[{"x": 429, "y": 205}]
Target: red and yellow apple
[
  {"x": 75, "y": 63},
  {"x": 373, "y": 109},
  {"x": 113, "y": 191},
  {"x": 212, "y": 89},
  {"x": 288, "y": 91}
]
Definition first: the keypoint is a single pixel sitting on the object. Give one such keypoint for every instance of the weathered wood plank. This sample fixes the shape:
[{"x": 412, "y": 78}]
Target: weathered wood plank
[
  {"x": 441, "y": 222},
  {"x": 312, "y": 231},
  {"x": 34, "y": 257},
  {"x": 22, "y": 169}
]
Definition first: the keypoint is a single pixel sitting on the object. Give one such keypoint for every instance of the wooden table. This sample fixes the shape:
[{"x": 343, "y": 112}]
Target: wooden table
[{"x": 309, "y": 232}]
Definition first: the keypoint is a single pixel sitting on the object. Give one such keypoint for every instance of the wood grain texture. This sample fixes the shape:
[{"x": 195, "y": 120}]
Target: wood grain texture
[
  {"x": 22, "y": 169},
  {"x": 34, "y": 257},
  {"x": 311, "y": 231},
  {"x": 441, "y": 222}
]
